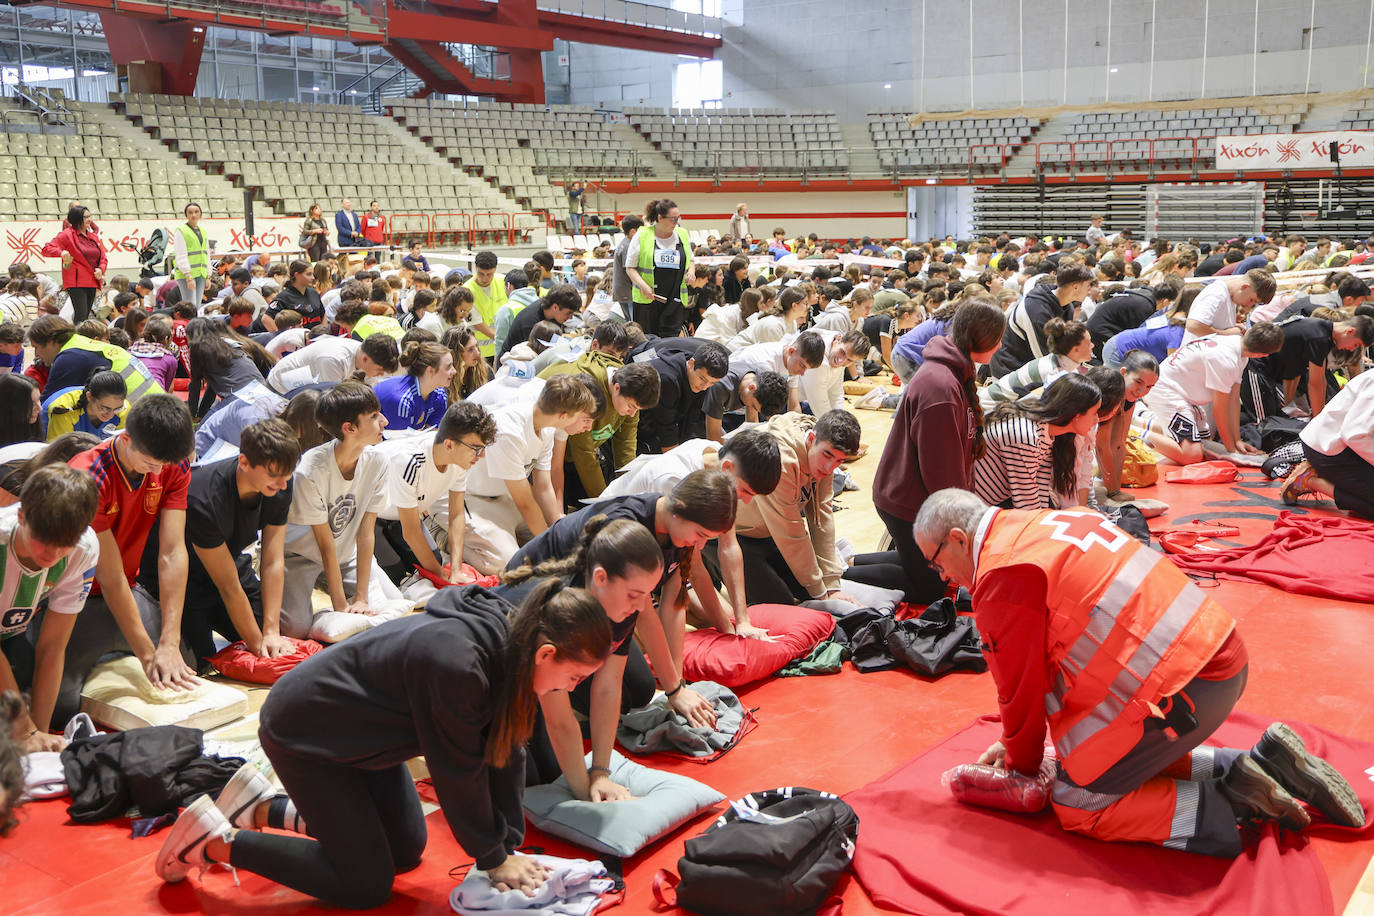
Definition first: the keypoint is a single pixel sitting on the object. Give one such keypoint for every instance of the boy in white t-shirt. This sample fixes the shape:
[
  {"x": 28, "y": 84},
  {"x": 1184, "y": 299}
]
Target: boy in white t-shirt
[
  {"x": 1225, "y": 302},
  {"x": 789, "y": 358},
  {"x": 822, "y": 387},
  {"x": 515, "y": 484},
  {"x": 339, "y": 488},
  {"x": 333, "y": 359},
  {"x": 49, "y": 554},
  {"x": 1204, "y": 371},
  {"x": 424, "y": 508},
  {"x": 752, "y": 460}
]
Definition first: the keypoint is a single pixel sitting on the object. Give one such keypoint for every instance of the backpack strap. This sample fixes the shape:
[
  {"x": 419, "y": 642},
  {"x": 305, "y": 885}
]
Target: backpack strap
[{"x": 665, "y": 887}]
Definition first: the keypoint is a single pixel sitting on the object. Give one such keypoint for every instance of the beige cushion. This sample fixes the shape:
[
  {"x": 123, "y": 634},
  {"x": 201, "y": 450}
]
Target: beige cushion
[{"x": 119, "y": 696}]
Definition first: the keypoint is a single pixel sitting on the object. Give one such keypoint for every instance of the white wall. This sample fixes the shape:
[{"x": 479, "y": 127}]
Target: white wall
[{"x": 945, "y": 55}]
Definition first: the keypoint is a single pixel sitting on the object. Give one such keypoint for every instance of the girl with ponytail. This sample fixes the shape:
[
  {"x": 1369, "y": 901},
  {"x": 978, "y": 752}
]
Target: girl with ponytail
[
  {"x": 460, "y": 684},
  {"x": 937, "y": 434},
  {"x": 1070, "y": 346},
  {"x": 632, "y": 553}
]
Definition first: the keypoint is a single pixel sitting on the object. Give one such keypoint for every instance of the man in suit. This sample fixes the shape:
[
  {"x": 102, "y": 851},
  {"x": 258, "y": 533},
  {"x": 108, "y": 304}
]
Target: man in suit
[{"x": 349, "y": 228}]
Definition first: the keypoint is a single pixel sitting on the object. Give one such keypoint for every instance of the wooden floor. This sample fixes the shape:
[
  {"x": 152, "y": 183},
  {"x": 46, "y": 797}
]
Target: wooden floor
[{"x": 1309, "y": 661}]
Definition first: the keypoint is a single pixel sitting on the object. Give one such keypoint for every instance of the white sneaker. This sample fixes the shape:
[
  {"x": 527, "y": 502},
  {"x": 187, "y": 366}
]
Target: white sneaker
[
  {"x": 184, "y": 848},
  {"x": 242, "y": 795}
]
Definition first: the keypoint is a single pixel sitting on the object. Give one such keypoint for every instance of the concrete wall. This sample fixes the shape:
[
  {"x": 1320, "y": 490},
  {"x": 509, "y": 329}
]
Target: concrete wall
[
  {"x": 948, "y": 56},
  {"x": 829, "y": 214}
]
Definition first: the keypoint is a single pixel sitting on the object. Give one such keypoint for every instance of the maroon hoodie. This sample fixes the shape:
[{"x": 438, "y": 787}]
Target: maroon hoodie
[{"x": 930, "y": 446}]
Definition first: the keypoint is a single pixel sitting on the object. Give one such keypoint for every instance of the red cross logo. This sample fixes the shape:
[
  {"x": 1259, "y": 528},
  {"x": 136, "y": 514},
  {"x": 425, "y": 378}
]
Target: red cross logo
[{"x": 1083, "y": 529}]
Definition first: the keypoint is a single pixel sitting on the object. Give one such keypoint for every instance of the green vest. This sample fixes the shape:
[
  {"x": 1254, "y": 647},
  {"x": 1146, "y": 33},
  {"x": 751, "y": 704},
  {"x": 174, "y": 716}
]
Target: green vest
[
  {"x": 378, "y": 324},
  {"x": 136, "y": 378},
  {"x": 486, "y": 302},
  {"x": 199, "y": 265},
  {"x": 645, "y": 262}
]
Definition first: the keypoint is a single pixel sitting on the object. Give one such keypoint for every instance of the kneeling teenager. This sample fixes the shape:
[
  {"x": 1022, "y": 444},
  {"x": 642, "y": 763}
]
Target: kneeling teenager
[{"x": 458, "y": 684}]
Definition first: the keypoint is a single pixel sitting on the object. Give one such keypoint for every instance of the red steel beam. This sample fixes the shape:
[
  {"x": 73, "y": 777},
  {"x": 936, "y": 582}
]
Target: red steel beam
[
  {"x": 468, "y": 30},
  {"x": 627, "y": 35}
]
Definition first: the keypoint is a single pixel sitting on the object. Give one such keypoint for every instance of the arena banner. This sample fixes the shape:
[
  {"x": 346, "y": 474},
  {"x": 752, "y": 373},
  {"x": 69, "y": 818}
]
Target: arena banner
[
  {"x": 1296, "y": 151},
  {"x": 124, "y": 238}
]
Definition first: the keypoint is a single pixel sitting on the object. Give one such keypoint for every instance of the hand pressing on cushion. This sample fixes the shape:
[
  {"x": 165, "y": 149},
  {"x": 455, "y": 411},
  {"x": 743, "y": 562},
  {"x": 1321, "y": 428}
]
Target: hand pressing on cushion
[
  {"x": 749, "y": 631},
  {"x": 995, "y": 756},
  {"x": 274, "y": 646},
  {"x": 605, "y": 789}
]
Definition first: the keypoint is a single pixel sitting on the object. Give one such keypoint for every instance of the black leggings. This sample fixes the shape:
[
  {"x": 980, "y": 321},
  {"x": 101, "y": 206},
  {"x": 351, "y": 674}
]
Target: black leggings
[
  {"x": 82, "y": 299},
  {"x": 1349, "y": 474},
  {"x": 768, "y": 579},
  {"x": 637, "y": 687},
  {"x": 923, "y": 585},
  {"x": 883, "y": 569},
  {"x": 367, "y": 826}
]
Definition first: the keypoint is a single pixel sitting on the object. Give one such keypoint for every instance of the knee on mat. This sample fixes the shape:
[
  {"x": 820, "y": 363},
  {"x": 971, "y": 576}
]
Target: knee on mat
[
  {"x": 406, "y": 853},
  {"x": 365, "y": 888}
]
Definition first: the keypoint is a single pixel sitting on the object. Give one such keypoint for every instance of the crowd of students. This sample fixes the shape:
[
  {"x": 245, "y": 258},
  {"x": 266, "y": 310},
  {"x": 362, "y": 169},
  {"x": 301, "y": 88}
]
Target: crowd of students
[{"x": 661, "y": 446}]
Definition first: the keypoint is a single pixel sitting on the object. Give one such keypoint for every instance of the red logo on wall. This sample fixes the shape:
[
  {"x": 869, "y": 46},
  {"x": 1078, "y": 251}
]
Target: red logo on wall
[
  {"x": 24, "y": 246},
  {"x": 1288, "y": 149}
]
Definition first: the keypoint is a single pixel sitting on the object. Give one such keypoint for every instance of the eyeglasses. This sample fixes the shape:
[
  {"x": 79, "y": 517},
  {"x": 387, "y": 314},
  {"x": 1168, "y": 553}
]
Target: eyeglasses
[
  {"x": 934, "y": 561},
  {"x": 477, "y": 450}
]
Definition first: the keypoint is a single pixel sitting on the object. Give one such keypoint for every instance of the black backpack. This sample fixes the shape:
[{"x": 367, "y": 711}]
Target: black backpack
[{"x": 779, "y": 852}]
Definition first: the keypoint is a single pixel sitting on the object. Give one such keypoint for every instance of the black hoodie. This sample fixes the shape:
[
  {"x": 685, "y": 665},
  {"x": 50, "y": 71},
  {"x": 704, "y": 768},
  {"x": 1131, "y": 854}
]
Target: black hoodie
[
  {"x": 421, "y": 685},
  {"x": 1024, "y": 338}
]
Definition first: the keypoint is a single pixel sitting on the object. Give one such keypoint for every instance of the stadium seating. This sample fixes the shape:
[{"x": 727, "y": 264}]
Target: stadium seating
[
  {"x": 1125, "y": 138},
  {"x": 935, "y": 146},
  {"x": 1361, "y": 117},
  {"x": 299, "y": 155},
  {"x": 738, "y": 141}
]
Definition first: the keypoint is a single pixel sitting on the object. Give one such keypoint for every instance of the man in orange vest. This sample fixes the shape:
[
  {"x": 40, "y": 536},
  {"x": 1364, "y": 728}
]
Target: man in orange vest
[{"x": 1130, "y": 666}]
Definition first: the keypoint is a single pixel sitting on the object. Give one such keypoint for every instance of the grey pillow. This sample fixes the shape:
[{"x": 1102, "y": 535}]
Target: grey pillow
[
  {"x": 662, "y": 802},
  {"x": 884, "y": 600}
]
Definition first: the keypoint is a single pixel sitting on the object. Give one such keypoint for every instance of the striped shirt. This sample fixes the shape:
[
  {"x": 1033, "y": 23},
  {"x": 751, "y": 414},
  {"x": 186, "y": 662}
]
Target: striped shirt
[
  {"x": 64, "y": 585},
  {"x": 1016, "y": 465},
  {"x": 1038, "y": 373}
]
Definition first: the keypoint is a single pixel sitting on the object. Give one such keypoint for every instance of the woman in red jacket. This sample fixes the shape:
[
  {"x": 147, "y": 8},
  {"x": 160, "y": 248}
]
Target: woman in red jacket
[
  {"x": 83, "y": 261},
  {"x": 937, "y": 433}
]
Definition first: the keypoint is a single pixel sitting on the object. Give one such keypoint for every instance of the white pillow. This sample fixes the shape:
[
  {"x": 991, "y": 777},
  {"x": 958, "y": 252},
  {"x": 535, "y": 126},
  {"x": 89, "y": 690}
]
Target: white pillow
[
  {"x": 118, "y": 694},
  {"x": 336, "y": 626},
  {"x": 662, "y": 802}
]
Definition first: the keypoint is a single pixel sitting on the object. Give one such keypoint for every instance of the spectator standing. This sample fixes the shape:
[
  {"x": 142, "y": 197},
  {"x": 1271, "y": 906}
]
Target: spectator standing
[
  {"x": 83, "y": 261},
  {"x": 191, "y": 264},
  {"x": 575, "y": 204},
  {"x": 739, "y": 226},
  {"x": 621, "y": 287},
  {"x": 374, "y": 225},
  {"x": 1095, "y": 235},
  {"x": 348, "y": 226},
  {"x": 314, "y": 236}
]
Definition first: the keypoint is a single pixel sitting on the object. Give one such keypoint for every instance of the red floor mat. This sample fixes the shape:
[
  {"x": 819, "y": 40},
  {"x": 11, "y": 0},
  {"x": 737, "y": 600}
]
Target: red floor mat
[{"x": 922, "y": 852}]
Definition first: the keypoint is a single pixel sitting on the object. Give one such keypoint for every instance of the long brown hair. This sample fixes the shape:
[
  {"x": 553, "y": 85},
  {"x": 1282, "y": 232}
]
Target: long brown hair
[
  {"x": 570, "y": 620},
  {"x": 468, "y": 378},
  {"x": 977, "y": 326},
  {"x": 707, "y": 498}
]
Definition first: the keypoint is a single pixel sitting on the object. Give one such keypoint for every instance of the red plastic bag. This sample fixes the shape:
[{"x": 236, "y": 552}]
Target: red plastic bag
[
  {"x": 1203, "y": 472},
  {"x": 1184, "y": 538},
  {"x": 237, "y": 662},
  {"x": 1005, "y": 790}
]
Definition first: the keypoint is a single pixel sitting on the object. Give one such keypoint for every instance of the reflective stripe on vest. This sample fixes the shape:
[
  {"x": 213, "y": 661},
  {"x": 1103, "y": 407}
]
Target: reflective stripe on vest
[
  {"x": 137, "y": 381},
  {"x": 198, "y": 265},
  {"x": 1125, "y": 628}
]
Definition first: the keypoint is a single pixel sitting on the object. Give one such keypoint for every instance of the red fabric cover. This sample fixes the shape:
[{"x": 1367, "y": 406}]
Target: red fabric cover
[
  {"x": 237, "y": 662},
  {"x": 1298, "y": 556},
  {"x": 921, "y": 851},
  {"x": 1005, "y": 790},
  {"x": 733, "y": 661},
  {"x": 1203, "y": 472},
  {"x": 477, "y": 578},
  {"x": 1193, "y": 535}
]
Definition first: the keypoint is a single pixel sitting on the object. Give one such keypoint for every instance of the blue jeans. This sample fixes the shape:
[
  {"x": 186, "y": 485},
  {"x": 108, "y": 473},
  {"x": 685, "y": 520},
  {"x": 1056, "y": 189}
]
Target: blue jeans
[{"x": 575, "y": 221}]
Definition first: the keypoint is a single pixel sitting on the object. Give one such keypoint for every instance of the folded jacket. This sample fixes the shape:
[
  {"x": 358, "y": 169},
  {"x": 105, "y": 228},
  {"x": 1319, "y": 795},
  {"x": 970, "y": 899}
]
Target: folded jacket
[
  {"x": 656, "y": 727},
  {"x": 574, "y": 888}
]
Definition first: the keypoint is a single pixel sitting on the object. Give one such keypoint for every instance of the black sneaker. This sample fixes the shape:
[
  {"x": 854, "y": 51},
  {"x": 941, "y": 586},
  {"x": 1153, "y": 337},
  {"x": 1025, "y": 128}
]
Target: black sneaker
[
  {"x": 1308, "y": 777},
  {"x": 1257, "y": 795}
]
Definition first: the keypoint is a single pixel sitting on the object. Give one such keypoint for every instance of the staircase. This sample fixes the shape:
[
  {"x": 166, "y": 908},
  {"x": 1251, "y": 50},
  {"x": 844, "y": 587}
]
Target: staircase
[
  {"x": 1325, "y": 116},
  {"x": 1022, "y": 161},
  {"x": 863, "y": 155},
  {"x": 652, "y": 163}
]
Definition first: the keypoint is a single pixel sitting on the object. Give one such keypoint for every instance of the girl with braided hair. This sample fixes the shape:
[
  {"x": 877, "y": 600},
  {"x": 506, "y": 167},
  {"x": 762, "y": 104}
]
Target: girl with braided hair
[{"x": 604, "y": 549}]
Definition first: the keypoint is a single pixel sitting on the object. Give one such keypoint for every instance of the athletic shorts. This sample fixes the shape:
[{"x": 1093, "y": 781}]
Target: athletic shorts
[{"x": 1183, "y": 421}]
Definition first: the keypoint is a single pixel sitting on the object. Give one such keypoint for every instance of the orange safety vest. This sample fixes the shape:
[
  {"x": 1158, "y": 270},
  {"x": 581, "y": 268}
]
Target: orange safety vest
[{"x": 1125, "y": 628}]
